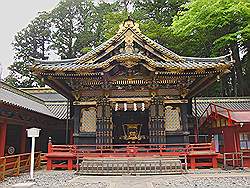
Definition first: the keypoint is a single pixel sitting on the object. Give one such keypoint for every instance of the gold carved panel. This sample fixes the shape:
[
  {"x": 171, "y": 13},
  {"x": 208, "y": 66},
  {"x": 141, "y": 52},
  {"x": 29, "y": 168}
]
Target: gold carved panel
[
  {"x": 88, "y": 120},
  {"x": 172, "y": 118}
]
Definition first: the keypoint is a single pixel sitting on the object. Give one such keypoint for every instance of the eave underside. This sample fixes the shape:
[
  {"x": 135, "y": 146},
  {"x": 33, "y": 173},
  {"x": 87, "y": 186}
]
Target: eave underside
[{"x": 182, "y": 86}]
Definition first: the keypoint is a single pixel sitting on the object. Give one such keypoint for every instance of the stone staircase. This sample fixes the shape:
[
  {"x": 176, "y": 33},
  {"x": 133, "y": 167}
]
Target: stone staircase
[{"x": 131, "y": 165}]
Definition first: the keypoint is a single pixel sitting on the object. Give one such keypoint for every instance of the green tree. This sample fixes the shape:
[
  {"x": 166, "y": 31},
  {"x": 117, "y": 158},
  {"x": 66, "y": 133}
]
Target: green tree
[
  {"x": 68, "y": 19},
  {"x": 154, "y": 17},
  {"x": 159, "y": 11},
  {"x": 212, "y": 28},
  {"x": 32, "y": 41},
  {"x": 93, "y": 34}
]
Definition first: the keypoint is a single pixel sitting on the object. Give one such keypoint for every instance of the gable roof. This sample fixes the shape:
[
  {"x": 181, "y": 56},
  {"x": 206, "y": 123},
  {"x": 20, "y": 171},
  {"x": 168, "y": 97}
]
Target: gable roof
[
  {"x": 231, "y": 103},
  {"x": 129, "y": 34}
]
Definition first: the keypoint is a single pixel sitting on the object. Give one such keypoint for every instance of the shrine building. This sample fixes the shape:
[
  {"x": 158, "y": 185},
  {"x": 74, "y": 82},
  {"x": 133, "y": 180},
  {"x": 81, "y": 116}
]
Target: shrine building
[{"x": 130, "y": 89}]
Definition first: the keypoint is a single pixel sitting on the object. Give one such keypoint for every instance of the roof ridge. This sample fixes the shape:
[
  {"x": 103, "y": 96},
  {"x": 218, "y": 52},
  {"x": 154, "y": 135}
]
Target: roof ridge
[
  {"x": 36, "y": 90},
  {"x": 149, "y": 40},
  {"x": 39, "y": 61},
  {"x": 130, "y": 33},
  {"x": 89, "y": 54},
  {"x": 219, "y": 57}
]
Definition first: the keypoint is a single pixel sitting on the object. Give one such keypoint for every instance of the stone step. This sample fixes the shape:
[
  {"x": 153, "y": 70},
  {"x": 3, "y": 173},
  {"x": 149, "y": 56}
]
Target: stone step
[{"x": 120, "y": 166}]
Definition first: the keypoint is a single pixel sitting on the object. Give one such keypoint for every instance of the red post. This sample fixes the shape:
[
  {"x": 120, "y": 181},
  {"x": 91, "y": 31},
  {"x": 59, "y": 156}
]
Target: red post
[
  {"x": 214, "y": 162},
  {"x": 50, "y": 145},
  {"x": 230, "y": 123},
  {"x": 3, "y": 131},
  {"x": 70, "y": 164},
  {"x": 22, "y": 139},
  {"x": 192, "y": 162},
  {"x": 49, "y": 164},
  {"x": 49, "y": 160}
]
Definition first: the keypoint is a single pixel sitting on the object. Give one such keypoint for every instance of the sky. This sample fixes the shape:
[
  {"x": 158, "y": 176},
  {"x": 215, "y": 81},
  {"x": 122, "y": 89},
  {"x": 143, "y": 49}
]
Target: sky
[{"x": 14, "y": 16}]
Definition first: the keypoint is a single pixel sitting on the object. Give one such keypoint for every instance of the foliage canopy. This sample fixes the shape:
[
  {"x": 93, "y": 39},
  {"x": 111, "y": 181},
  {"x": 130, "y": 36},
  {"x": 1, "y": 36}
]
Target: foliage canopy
[{"x": 203, "y": 28}]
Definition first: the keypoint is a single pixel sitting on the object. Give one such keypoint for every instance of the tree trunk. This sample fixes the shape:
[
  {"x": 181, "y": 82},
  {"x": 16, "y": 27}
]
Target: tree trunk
[
  {"x": 247, "y": 69},
  {"x": 238, "y": 71}
]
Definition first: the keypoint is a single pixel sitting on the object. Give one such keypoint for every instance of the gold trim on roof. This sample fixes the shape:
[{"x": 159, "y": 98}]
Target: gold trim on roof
[
  {"x": 101, "y": 58},
  {"x": 129, "y": 23}
]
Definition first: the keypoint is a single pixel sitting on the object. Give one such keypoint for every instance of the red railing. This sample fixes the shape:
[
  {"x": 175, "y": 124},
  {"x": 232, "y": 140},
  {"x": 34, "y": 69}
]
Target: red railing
[
  {"x": 191, "y": 152},
  {"x": 13, "y": 165},
  {"x": 213, "y": 111},
  {"x": 129, "y": 150}
]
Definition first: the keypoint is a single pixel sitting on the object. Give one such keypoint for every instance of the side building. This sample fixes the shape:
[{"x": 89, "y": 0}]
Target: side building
[
  {"x": 19, "y": 111},
  {"x": 228, "y": 121}
]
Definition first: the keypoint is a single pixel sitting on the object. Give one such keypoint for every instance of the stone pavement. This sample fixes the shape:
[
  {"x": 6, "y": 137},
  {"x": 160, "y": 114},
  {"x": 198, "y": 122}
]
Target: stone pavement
[
  {"x": 164, "y": 181},
  {"x": 198, "y": 178},
  {"x": 116, "y": 181}
]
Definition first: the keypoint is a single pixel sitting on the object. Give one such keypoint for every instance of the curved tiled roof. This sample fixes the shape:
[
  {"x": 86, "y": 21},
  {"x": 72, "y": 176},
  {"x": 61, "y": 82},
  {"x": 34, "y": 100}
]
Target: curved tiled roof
[
  {"x": 59, "y": 109},
  {"x": 232, "y": 103},
  {"x": 188, "y": 64},
  {"x": 12, "y": 96},
  {"x": 40, "y": 100},
  {"x": 167, "y": 60}
]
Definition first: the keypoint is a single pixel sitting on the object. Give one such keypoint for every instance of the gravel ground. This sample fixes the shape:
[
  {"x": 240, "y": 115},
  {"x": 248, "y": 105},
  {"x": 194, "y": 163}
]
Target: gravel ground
[
  {"x": 43, "y": 178},
  {"x": 192, "y": 182},
  {"x": 56, "y": 179}
]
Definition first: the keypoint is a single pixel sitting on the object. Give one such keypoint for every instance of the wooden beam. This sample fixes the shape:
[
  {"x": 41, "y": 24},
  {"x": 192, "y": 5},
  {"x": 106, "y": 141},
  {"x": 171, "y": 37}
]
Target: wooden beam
[
  {"x": 175, "y": 101},
  {"x": 198, "y": 88},
  {"x": 60, "y": 88},
  {"x": 88, "y": 103},
  {"x": 141, "y": 99}
]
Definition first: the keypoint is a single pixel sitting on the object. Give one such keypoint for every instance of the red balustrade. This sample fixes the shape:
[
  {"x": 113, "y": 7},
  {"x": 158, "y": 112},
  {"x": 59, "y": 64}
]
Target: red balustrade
[{"x": 68, "y": 153}]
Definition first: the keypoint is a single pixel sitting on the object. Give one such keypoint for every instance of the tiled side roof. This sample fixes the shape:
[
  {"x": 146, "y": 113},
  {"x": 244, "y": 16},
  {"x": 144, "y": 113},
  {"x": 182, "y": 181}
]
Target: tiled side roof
[
  {"x": 233, "y": 103},
  {"x": 55, "y": 102},
  {"x": 49, "y": 96},
  {"x": 58, "y": 109},
  {"x": 16, "y": 97},
  {"x": 40, "y": 100}
]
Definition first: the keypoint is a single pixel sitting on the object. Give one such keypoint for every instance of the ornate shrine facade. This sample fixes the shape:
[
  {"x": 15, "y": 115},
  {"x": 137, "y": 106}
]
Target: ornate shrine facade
[{"x": 131, "y": 89}]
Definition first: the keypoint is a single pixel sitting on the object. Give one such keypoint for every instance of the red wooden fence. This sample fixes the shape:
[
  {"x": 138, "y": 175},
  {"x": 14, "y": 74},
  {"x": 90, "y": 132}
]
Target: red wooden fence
[{"x": 13, "y": 165}]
